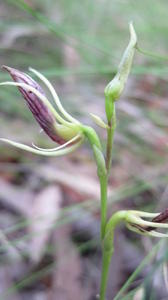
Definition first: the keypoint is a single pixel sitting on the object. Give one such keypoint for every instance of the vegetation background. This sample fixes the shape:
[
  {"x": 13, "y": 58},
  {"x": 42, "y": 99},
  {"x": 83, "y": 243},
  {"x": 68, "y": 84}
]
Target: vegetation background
[{"x": 49, "y": 208}]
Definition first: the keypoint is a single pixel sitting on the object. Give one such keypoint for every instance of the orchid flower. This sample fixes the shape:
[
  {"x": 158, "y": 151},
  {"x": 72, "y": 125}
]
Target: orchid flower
[
  {"x": 60, "y": 126},
  {"x": 136, "y": 221}
]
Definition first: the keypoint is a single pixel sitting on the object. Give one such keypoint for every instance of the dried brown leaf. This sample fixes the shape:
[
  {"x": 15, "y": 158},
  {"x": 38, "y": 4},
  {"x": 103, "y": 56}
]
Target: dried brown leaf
[
  {"x": 68, "y": 271},
  {"x": 45, "y": 211},
  {"x": 85, "y": 185},
  {"x": 15, "y": 197}
]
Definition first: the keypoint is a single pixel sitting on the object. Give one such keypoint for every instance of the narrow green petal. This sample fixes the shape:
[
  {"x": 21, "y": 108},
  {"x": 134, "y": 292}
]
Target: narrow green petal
[
  {"x": 55, "y": 96},
  {"x": 147, "y": 233},
  {"x": 144, "y": 214},
  {"x": 59, "y": 147},
  {"x": 45, "y": 153},
  {"x": 158, "y": 234},
  {"x": 151, "y": 224}
]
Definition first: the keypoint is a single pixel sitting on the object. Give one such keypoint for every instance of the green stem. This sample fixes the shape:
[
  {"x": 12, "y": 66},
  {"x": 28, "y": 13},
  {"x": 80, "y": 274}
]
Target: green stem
[
  {"x": 102, "y": 175},
  {"x": 103, "y": 193},
  {"x": 104, "y": 275},
  {"x": 110, "y": 137},
  {"x": 101, "y": 172},
  {"x": 108, "y": 249},
  {"x": 102, "y": 165}
]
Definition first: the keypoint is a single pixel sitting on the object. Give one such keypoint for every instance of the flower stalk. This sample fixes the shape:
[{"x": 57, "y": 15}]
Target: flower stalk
[
  {"x": 113, "y": 92},
  {"x": 110, "y": 137}
]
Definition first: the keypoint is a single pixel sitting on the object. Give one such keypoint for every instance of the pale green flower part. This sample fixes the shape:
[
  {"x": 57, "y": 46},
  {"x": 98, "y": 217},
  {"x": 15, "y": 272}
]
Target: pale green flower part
[
  {"x": 98, "y": 121},
  {"x": 45, "y": 152},
  {"x": 76, "y": 138}
]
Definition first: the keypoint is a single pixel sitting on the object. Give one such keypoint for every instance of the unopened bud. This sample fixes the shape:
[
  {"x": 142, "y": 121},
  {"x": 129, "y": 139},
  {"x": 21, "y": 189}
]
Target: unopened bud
[{"x": 115, "y": 87}]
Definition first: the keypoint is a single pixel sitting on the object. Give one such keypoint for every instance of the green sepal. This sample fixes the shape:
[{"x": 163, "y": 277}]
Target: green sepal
[{"x": 92, "y": 136}]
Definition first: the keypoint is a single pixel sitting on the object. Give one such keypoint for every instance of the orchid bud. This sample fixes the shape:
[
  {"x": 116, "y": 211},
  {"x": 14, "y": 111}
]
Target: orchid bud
[{"x": 114, "y": 89}]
